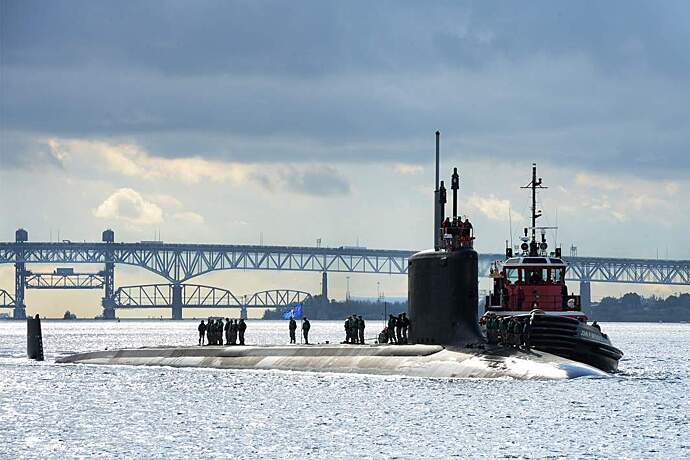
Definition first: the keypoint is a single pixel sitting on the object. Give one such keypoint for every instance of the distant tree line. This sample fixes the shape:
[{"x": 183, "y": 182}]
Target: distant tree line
[
  {"x": 319, "y": 308},
  {"x": 633, "y": 307}
]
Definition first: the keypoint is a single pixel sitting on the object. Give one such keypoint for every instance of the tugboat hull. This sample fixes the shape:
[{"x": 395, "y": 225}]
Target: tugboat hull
[{"x": 572, "y": 339}]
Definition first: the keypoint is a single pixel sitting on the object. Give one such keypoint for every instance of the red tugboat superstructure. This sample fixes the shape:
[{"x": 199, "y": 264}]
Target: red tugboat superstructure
[{"x": 529, "y": 288}]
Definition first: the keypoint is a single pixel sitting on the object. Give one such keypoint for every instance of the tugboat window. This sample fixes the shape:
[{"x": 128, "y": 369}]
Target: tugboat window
[
  {"x": 556, "y": 275},
  {"x": 536, "y": 275},
  {"x": 512, "y": 275}
]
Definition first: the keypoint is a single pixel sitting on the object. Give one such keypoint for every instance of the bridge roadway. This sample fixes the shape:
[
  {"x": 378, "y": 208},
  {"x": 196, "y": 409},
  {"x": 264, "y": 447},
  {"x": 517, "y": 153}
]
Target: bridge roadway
[{"x": 179, "y": 263}]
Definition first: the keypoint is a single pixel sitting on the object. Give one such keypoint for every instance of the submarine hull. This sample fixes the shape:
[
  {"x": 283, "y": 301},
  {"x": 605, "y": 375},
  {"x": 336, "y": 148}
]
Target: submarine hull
[
  {"x": 443, "y": 297},
  {"x": 406, "y": 360}
]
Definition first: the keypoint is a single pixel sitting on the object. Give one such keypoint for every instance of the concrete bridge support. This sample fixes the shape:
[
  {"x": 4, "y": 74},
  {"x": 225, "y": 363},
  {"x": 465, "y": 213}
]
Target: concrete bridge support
[
  {"x": 108, "y": 273},
  {"x": 176, "y": 301},
  {"x": 585, "y": 294},
  {"x": 19, "y": 312}
]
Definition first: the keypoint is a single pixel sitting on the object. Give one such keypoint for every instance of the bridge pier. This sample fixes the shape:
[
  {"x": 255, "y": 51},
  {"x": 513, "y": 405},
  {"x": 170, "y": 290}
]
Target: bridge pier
[
  {"x": 108, "y": 273},
  {"x": 176, "y": 303},
  {"x": 19, "y": 312},
  {"x": 585, "y": 293},
  {"x": 324, "y": 286},
  {"x": 243, "y": 311}
]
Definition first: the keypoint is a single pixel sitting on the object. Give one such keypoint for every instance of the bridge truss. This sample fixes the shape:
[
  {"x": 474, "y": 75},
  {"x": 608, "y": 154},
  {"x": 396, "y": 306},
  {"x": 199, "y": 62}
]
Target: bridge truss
[
  {"x": 64, "y": 281},
  {"x": 179, "y": 263},
  {"x": 6, "y": 299}
]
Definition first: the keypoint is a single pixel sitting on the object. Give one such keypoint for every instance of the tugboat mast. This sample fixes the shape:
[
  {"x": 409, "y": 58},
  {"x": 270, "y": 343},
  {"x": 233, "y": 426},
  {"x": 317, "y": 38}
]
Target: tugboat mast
[{"x": 534, "y": 185}]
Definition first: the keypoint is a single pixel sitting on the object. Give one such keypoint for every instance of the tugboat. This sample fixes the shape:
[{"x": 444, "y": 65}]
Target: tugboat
[{"x": 529, "y": 288}]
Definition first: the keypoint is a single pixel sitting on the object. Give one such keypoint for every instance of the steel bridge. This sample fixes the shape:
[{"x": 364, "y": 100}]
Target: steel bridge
[
  {"x": 177, "y": 296},
  {"x": 179, "y": 263}
]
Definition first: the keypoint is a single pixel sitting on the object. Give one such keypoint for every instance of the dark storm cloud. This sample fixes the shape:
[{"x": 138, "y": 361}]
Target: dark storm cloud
[
  {"x": 595, "y": 84},
  {"x": 321, "y": 182}
]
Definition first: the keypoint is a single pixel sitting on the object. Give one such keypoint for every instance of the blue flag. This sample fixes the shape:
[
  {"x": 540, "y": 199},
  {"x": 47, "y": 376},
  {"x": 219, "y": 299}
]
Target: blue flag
[{"x": 294, "y": 312}]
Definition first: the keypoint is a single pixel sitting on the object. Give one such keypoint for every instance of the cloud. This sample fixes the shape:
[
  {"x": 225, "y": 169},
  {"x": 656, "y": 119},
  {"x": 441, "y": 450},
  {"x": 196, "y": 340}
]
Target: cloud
[
  {"x": 406, "y": 168},
  {"x": 128, "y": 205},
  {"x": 130, "y": 160},
  {"x": 599, "y": 87},
  {"x": 189, "y": 217},
  {"x": 319, "y": 181},
  {"x": 597, "y": 181},
  {"x": 494, "y": 208},
  {"x": 167, "y": 201}
]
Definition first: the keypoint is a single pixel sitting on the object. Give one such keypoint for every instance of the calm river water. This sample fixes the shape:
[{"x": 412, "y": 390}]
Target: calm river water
[{"x": 49, "y": 410}]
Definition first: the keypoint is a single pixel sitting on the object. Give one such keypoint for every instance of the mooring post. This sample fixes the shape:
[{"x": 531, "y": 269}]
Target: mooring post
[{"x": 34, "y": 338}]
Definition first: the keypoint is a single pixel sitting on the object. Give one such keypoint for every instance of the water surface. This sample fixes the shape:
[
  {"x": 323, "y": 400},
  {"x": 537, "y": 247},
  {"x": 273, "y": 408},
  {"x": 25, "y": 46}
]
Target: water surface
[{"x": 50, "y": 410}]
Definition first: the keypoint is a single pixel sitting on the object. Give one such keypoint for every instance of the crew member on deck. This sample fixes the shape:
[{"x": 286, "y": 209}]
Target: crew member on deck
[
  {"x": 503, "y": 330},
  {"x": 360, "y": 329},
  {"x": 293, "y": 328},
  {"x": 306, "y": 325},
  {"x": 220, "y": 331},
  {"x": 405, "y": 326},
  {"x": 391, "y": 329},
  {"x": 210, "y": 330},
  {"x": 233, "y": 332},
  {"x": 490, "y": 331},
  {"x": 398, "y": 329},
  {"x": 346, "y": 325},
  {"x": 202, "y": 332},
  {"x": 227, "y": 331},
  {"x": 241, "y": 327}
]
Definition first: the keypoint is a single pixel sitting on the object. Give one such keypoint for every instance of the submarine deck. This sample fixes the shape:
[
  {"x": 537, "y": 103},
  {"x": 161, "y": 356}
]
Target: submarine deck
[{"x": 407, "y": 360}]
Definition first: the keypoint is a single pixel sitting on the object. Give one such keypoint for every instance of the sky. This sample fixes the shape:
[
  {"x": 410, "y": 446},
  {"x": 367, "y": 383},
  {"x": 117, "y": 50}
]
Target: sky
[{"x": 285, "y": 122}]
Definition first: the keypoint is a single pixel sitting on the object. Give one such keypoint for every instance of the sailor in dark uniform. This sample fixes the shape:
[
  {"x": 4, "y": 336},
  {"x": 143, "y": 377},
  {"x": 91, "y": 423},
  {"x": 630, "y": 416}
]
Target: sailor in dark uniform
[
  {"x": 293, "y": 328},
  {"x": 405, "y": 326},
  {"x": 391, "y": 329},
  {"x": 306, "y": 325},
  {"x": 220, "y": 331},
  {"x": 347, "y": 330},
  {"x": 360, "y": 329},
  {"x": 202, "y": 332},
  {"x": 241, "y": 327},
  {"x": 398, "y": 329},
  {"x": 233, "y": 332}
]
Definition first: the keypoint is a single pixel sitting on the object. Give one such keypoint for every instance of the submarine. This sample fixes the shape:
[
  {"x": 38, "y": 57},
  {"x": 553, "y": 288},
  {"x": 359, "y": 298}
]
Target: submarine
[{"x": 445, "y": 337}]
